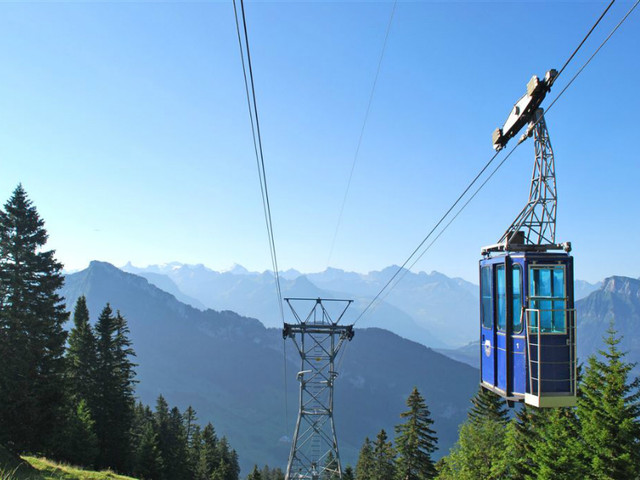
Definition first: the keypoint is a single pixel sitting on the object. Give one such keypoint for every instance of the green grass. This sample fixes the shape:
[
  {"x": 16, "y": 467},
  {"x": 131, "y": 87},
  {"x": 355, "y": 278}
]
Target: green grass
[
  {"x": 13, "y": 467},
  {"x": 34, "y": 468},
  {"x": 50, "y": 470}
]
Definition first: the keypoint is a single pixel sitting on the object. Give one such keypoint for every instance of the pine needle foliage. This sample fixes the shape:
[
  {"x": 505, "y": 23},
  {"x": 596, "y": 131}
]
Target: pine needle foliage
[
  {"x": 32, "y": 337},
  {"x": 384, "y": 467},
  {"x": 364, "y": 467},
  {"x": 609, "y": 410},
  {"x": 486, "y": 405},
  {"x": 415, "y": 441}
]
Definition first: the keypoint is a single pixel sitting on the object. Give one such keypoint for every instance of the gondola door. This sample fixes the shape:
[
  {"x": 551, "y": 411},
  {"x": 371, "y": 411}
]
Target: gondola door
[
  {"x": 503, "y": 337},
  {"x": 487, "y": 331}
]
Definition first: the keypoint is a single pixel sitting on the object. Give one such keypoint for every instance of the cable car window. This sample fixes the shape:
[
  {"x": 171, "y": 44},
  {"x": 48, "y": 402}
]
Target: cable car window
[
  {"x": 516, "y": 299},
  {"x": 485, "y": 282},
  {"x": 547, "y": 292},
  {"x": 501, "y": 299}
]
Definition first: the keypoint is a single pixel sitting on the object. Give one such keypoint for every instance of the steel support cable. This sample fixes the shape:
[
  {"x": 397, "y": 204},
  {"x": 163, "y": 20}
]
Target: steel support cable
[
  {"x": 364, "y": 124},
  {"x": 257, "y": 141},
  {"x": 405, "y": 271},
  {"x": 257, "y": 145},
  {"x": 415, "y": 251},
  {"x": 585, "y": 39}
]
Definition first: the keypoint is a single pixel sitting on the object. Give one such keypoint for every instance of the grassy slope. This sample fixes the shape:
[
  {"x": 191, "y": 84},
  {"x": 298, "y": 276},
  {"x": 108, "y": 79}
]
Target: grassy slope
[
  {"x": 54, "y": 471},
  {"x": 33, "y": 468}
]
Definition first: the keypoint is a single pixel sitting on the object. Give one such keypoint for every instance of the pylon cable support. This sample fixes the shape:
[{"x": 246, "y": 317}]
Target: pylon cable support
[
  {"x": 404, "y": 271},
  {"x": 245, "y": 57},
  {"x": 364, "y": 124}
]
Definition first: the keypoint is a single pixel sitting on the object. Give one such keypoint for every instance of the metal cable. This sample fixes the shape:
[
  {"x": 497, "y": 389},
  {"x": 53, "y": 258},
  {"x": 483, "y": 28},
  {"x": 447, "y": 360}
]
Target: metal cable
[
  {"x": 584, "y": 39},
  {"x": 364, "y": 124},
  {"x": 257, "y": 142},
  {"x": 405, "y": 271}
]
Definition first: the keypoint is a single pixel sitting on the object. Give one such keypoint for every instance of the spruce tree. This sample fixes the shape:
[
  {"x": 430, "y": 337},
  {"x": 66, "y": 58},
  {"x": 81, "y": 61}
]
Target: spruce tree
[
  {"x": 78, "y": 443},
  {"x": 114, "y": 410},
  {"x": 486, "y": 405},
  {"x": 148, "y": 461},
  {"x": 208, "y": 458},
  {"x": 255, "y": 474},
  {"x": 364, "y": 467},
  {"x": 82, "y": 356},
  {"x": 383, "y": 458},
  {"x": 522, "y": 434},
  {"x": 32, "y": 338},
  {"x": 559, "y": 450},
  {"x": 415, "y": 441},
  {"x": 609, "y": 410},
  {"x": 348, "y": 474},
  {"x": 476, "y": 454}
]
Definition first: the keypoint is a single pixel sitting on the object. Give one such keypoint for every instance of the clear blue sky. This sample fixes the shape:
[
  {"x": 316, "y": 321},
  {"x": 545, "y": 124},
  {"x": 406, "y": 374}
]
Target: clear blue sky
[{"x": 127, "y": 124}]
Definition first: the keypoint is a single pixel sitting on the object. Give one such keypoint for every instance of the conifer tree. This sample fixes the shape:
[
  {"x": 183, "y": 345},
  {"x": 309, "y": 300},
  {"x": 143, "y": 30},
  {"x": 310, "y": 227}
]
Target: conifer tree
[
  {"x": 364, "y": 467},
  {"x": 558, "y": 451},
  {"x": 383, "y": 458},
  {"x": 609, "y": 410},
  {"x": 32, "y": 338},
  {"x": 348, "y": 474},
  {"x": 415, "y": 441},
  {"x": 229, "y": 458},
  {"x": 476, "y": 454},
  {"x": 82, "y": 356},
  {"x": 148, "y": 461},
  {"x": 521, "y": 435},
  {"x": 114, "y": 411},
  {"x": 78, "y": 443},
  {"x": 486, "y": 405},
  {"x": 208, "y": 458},
  {"x": 255, "y": 474}
]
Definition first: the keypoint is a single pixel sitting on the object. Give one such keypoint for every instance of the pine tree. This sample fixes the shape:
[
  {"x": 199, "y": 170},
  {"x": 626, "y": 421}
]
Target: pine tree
[
  {"x": 518, "y": 460},
  {"x": 609, "y": 410},
  {"x": 148, "y": 461},
  {"x": 383, "y": 458},
  {"x": 255, "y": 474},
  {"x": 364, "y": 467},
  {"x": 114, "y": 410},
  {"x": 559, "y": 449},
  {"x": 415, "y": 441},
  {"x": 229, "y": 458},
  {"x": 208, "y": 457},
  {"x": 476, "y": 454},
  {"x": 78, "y": 443},
  {"x": 486, "y": 405},
  {"x": 348, "y": 474},
  {"x": 32, "y": 338},
  {"x": 82, "y": 356}
]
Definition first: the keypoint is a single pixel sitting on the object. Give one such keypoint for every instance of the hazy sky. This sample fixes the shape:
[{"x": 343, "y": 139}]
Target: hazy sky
[{"x": 127, "y": 124}]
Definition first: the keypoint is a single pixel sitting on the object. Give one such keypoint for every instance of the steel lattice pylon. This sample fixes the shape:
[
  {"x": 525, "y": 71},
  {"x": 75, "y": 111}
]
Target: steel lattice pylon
[
  {"x": 535, "y": 226},
  {"x": 314, "y": 451},
  {"x": 537, "y": 220}
]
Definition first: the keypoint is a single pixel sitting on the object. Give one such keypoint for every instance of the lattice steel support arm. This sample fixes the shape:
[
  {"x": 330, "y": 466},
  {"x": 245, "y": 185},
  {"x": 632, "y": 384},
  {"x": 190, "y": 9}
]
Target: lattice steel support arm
[
  {"x": 535, "y": 226},
  {"x": 314, "y": 451}
]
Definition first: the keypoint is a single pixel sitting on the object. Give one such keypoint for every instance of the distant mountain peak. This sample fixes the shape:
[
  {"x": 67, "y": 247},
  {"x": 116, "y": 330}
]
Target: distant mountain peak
[
  {"x": 237, "y": 269},
  {"x": 622, "y": 285}
]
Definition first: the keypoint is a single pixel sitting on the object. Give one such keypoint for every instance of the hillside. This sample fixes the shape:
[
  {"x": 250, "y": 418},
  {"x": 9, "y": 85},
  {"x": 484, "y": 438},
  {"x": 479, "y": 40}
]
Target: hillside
[{"x": 230, "y": 369}]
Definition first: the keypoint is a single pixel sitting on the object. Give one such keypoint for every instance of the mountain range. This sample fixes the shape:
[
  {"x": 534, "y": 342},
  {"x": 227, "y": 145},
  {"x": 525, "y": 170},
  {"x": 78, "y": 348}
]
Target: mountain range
[{"x": 231, "y": 368}]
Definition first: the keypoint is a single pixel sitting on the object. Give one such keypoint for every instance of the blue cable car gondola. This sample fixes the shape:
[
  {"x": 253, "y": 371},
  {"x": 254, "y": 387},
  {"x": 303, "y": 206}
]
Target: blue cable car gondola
[
  {"x": 528, "y": 330},
  {"x": 527, "y": 316}
]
